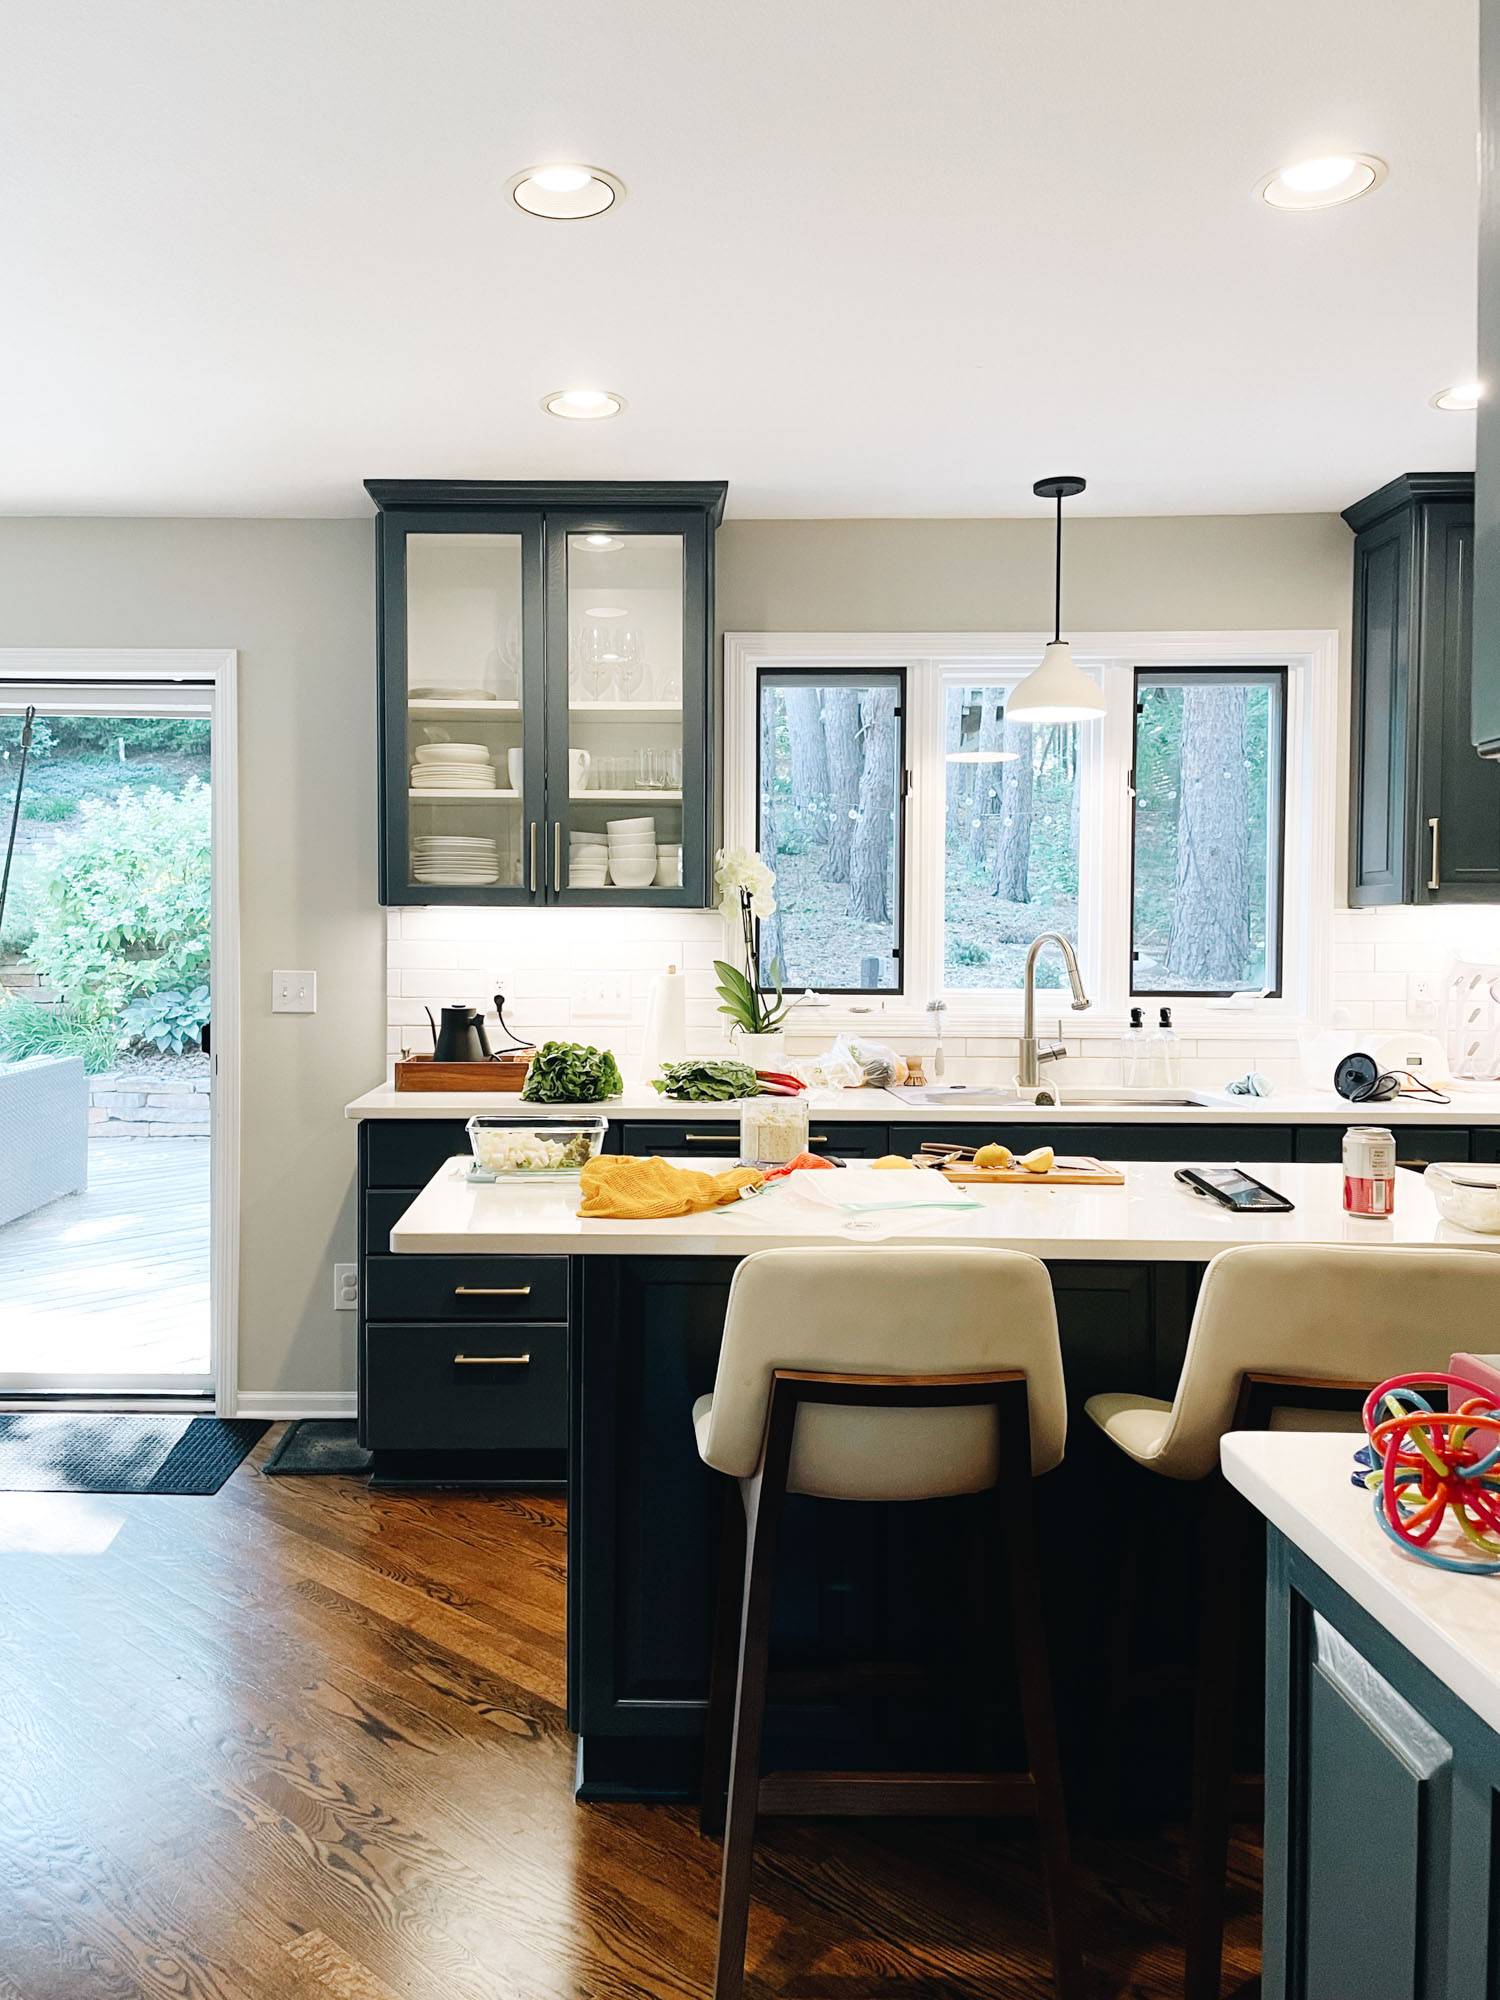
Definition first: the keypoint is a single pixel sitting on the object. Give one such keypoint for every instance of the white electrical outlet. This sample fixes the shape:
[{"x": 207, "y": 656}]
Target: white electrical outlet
[
  {"x": 346, "y": 1288},
  {"x": 1421, "y": 996},
  {"x": 294, "y": 993}
]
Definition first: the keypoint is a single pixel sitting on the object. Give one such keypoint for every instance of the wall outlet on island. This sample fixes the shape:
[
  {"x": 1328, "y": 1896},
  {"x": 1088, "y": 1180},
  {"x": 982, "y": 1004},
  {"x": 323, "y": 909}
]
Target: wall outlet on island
[
  {"x": 603, "y": 998},
  {"x": 346, "y": 1288},
  {"x": 1421, "y": 996}
]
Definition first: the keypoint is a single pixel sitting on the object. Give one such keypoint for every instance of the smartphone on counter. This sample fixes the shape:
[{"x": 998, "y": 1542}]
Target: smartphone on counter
[{"x": 1232, "y": 1187}]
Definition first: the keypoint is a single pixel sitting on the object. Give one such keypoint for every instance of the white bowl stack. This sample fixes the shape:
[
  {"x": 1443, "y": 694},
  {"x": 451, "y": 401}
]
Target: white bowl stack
[
  {"x": 452, "y": 767},
  {"x": 669, "y": 866},
  {"x": 454, "y": 860},
  {"x": 588, "y": 860},
  {"x": 632, "y": 852}
]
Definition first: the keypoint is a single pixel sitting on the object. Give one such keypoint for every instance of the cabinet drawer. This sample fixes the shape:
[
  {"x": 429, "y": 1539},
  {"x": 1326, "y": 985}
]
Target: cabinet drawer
[
  {"x": 382, "y": 1212},
  {"x": 644, "y": 1136},
  {"x": 407, "y": 1152},
  {"x": 466, "y": 1289},
  {"x": 481, "y": 1387},
  {"x": 1113, "y": 1142},
  {"x": 1415, "y": 1144}
]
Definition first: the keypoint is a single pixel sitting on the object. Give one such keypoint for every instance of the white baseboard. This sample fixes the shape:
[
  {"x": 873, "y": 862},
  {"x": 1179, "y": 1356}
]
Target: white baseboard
[{"x": 281, "y": 1405}]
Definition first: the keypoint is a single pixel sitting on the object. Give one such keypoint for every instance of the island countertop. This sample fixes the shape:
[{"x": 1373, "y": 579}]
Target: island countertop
[
  {"x": 1450, "y": 1623},
  {"x": 1151, "y": 1219}
]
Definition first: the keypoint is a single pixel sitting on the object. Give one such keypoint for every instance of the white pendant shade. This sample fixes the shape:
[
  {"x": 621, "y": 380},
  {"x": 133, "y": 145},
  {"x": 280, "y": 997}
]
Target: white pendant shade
[{"x": 1057, "y": 691}]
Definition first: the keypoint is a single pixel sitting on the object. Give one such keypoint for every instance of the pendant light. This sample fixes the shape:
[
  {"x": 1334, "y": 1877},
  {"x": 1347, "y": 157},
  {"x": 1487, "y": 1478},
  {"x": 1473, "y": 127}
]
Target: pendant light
[{"x": 1057, "y": 690}]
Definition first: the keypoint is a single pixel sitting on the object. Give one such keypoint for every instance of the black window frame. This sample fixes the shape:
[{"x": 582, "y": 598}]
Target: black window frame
[
  {"x": 1278, "y": 676},
  {"x": 858, "y": 677}
]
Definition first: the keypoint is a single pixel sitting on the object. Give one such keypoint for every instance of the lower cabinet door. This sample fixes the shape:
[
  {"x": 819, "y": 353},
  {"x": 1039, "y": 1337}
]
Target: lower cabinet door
[{"x": 469, "y": 1387}]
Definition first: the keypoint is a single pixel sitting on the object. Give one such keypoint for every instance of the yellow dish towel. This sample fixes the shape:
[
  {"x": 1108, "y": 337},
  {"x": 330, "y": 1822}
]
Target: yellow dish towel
[{"x": 629, "y": 1190}]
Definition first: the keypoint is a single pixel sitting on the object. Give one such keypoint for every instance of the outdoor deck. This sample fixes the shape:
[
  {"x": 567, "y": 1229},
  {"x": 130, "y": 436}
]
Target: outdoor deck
[{"x": 114, "y": 1282}]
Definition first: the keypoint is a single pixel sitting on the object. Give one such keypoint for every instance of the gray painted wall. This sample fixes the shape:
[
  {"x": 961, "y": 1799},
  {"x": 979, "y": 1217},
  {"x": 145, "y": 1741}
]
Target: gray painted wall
[{"x": 296, "y": 598}]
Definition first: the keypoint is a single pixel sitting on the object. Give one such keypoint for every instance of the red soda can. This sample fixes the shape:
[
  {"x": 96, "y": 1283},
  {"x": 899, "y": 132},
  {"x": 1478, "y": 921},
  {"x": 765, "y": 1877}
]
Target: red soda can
[{"x": 1369, "y": 1170}]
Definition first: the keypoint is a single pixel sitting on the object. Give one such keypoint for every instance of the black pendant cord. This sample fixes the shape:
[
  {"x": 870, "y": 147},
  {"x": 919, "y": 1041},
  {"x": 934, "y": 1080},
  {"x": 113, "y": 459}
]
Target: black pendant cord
[
  {"x": 1057, "y": 589},
  {"x": 15, "y": 811}
]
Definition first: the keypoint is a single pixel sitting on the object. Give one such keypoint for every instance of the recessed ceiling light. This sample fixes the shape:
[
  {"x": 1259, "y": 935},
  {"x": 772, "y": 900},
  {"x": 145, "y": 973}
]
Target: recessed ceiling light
[
  {"x": 1324, "y": 182},
  {"x": 1462, "y": 396},
  {"x": 604, "y": 611},
  {"x": 598, "y": 541},
  {"x": 565, "y": 192},
  {"x": 584, "y": 406}
]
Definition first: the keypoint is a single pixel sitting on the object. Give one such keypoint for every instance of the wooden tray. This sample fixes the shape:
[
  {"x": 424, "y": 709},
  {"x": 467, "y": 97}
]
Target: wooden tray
[
  {"x": 422, "y": 1073},
  {"x": 1079, "y": 1171}
]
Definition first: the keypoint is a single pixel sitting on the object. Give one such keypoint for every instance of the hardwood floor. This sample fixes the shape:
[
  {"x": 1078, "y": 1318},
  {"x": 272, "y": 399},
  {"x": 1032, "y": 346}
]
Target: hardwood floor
[{"x": 305, "y": 1742}]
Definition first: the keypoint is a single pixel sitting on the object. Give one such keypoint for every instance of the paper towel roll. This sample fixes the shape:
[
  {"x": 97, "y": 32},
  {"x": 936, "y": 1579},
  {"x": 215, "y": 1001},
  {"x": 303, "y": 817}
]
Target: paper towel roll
[{"x": 666, "y": 1021}]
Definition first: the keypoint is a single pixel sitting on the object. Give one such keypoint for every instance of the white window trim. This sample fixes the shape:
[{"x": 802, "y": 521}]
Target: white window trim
[{"x": 1311, "y": 658}]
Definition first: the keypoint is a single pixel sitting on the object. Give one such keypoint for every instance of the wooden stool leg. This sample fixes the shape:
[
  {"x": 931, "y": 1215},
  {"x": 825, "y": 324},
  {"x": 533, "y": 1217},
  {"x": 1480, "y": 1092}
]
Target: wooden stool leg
[
  {"x": 718, "y": 1727},
  {"x": 1221, "y": 1586},
  {"x": 1017, "y": 1522},
  {"x": 749, "y": 1716}
]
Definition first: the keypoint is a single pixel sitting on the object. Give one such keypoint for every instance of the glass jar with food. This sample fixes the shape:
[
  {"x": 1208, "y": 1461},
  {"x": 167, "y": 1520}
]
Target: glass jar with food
[
  {"x": 773, "y": 1130},
  {"x": 507, "y": 1147}
]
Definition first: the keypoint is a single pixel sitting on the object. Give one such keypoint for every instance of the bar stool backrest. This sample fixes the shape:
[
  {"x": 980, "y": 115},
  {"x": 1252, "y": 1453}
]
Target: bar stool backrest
[
  {"x": 1342, "y": 1313},
  {"x": 886, "y": 1311}
]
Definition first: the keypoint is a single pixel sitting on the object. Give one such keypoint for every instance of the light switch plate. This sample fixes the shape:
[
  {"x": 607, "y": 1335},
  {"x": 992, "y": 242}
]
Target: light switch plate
[
  {"x": 294, "y": 993},
  {"x": 605, "y": 998}
]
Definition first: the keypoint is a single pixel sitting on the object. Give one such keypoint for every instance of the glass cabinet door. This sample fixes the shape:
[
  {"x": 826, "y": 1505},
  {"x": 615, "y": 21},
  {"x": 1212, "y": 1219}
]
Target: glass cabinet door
[
  {"x": 464, "y": 772},
  {"x": 627, "y": 670}
]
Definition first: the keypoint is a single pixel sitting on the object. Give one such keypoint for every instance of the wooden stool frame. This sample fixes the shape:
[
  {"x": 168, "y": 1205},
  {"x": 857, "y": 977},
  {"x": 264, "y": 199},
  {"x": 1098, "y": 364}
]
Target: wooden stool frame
[{"x": 734, "y": 1792}]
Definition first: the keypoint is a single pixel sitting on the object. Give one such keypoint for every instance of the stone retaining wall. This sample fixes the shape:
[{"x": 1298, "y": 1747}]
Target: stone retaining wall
[{"x": 143, "y": 1107}]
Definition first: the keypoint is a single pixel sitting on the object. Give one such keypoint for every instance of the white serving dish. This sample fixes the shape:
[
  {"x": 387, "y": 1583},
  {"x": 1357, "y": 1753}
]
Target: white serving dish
[
  {"x": 632, "y": 874},
  {"x": 1467, "y": 1195},
  {"x": 511, "y": 1147}
]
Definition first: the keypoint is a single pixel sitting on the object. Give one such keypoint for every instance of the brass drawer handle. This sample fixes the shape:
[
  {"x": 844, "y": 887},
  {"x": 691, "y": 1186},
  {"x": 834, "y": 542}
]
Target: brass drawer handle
[
  {"x": 492, "y": 1291},
  {"x": 707, "y": 1138},
  {"x": 817, "y": 1138},
  {"x": 490, "y": 1360}
]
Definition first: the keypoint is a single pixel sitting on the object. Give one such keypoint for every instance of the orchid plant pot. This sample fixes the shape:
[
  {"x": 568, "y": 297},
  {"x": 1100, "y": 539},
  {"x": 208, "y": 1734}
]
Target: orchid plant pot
[{"x": 760, "y": 1051}]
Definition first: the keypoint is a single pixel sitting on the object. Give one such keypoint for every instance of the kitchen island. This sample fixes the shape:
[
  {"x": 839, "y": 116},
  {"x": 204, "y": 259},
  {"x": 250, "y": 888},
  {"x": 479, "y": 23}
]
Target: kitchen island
[{"x": 621, "y": 1321}]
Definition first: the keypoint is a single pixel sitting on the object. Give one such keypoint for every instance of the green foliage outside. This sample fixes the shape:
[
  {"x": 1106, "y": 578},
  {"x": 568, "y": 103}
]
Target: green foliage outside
[{"x": 29, "y": 1030}]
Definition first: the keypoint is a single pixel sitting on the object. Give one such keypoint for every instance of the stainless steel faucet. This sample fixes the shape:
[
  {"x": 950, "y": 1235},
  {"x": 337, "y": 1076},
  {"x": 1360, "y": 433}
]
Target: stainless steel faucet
[{"x": 1033, "y": 1052}]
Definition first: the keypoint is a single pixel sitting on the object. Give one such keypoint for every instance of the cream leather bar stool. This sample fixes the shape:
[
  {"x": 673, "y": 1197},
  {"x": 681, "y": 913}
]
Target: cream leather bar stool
[
  {"x": 878, "y": 1375},
  {"x": 1282, "y": 1339}
]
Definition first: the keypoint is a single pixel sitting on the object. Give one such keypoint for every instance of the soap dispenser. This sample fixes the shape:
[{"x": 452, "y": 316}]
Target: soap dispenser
[
  {"x": 1166, "y": 1061},
  {"x": 1133, "y": 1050}
]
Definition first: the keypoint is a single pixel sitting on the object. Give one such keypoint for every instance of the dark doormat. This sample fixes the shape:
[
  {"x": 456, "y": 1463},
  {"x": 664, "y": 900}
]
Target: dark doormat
[
  {"x": 318, "y": 1444},
  {"x": 99, "y": 1452}
]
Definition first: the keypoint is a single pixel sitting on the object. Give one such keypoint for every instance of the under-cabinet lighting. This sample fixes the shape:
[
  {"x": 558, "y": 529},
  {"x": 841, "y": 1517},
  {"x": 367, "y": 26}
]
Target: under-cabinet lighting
[
  {"x": 1324, "y": 182},
  {"x": 583, "y": 406},
  {"x": 565, "y": 192},
  {"x": 1462, "y": 396},
  {"x": 603, "y": 542}
]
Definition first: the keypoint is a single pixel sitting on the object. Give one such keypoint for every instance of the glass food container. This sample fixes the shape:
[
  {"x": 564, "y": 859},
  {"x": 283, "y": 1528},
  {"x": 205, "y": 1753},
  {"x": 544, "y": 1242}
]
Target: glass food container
[
  {"x": 1467, "y": 1195},
  {"x": 507, "y": 1146},
  {"x": 773, "y": 1130}
]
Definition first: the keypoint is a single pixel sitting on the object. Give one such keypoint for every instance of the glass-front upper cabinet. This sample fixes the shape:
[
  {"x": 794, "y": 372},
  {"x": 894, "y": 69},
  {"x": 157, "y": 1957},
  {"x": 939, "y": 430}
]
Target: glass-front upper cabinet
[{"x": 544, "y": 657}]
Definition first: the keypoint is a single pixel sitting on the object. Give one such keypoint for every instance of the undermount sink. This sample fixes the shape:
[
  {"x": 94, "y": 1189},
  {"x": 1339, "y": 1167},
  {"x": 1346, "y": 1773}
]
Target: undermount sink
[{"x": 1096, "y": 1094}]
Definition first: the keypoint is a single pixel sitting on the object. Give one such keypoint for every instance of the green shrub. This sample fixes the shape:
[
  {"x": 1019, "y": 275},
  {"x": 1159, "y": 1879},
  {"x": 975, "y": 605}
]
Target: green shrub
[
  {"x": 29, "y": 1030},
  {"x": 169, "y": 1021},
  {"x": 126, "y": 904}
]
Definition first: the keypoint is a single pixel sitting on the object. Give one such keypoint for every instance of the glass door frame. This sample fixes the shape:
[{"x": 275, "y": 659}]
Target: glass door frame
[
  {"x": 692, "y": 525},
  {"x": 162, "y": 681},
  {"x": 396, "y": 524}
]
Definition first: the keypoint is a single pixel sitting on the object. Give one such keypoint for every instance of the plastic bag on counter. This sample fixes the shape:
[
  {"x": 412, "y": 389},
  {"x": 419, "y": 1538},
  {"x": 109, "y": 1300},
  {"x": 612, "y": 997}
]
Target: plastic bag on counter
[{"x": 853, "y": 1063}]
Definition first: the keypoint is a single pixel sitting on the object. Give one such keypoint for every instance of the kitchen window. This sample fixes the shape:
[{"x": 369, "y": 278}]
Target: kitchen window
[{"x": 1184, "y": 842}]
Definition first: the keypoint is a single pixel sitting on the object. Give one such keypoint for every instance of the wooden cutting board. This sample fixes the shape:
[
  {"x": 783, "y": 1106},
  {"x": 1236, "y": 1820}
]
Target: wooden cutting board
[{"x": 1078, "y": 1171}]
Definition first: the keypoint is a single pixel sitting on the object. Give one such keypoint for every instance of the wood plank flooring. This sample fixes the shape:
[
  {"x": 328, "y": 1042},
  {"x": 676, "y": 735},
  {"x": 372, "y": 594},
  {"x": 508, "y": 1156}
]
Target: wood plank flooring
[
  {"x": 304, "y": 1742},
  {"x": 113, "y": 1282}
]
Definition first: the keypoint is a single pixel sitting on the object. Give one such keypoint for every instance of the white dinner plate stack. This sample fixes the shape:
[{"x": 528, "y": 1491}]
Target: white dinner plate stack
[
  {"x": 588, "y": 859},
  {"x": 452, "y": 767},
  {"x": 668, "y": 867},
  {"x": 632, "y": 852},
  {"x": 453, "y": 860}
]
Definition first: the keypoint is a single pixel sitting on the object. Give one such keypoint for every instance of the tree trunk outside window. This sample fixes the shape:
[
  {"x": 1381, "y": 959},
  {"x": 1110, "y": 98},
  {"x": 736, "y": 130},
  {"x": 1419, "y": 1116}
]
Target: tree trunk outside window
[
  {"x": 1013, "y": 861},
  {"x": 1209, "y": 942},
  {"x": 870, "y": 853},
  {"x": 841, "y": 742}
]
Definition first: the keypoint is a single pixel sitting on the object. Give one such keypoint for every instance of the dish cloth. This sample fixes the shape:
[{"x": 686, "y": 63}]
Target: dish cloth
[
  {"x": 629, "y": 1190},
  {"x": 872, "y": 1191}
]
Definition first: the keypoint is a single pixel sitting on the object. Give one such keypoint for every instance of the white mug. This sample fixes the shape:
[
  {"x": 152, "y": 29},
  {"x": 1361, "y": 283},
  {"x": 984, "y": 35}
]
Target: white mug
[
  {"x": 578, "y": 770},
  {"x": 515, "y": 767}
]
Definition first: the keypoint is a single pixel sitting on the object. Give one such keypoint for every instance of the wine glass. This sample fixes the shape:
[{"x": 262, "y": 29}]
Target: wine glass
[
  {"x": 632, "y": 650},
  {"x": 601, "y": 660}
]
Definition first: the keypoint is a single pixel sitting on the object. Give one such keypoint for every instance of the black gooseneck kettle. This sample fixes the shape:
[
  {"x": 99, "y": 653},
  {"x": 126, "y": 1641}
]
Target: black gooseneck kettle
[{"x": 461, "y": 1038}]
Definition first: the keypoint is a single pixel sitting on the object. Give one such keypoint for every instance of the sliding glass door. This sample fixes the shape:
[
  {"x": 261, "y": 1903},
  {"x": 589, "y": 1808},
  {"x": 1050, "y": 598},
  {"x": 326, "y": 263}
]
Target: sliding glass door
[{"x": 106, "y": 1040}]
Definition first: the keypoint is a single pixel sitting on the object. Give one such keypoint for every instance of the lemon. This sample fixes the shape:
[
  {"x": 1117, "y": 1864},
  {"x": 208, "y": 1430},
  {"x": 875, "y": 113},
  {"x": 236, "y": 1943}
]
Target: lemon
[
  {"x": 993, "y": 1155},
  {"x": 891, "y": 1160},
  {"x": 1041, "y": 1161}
]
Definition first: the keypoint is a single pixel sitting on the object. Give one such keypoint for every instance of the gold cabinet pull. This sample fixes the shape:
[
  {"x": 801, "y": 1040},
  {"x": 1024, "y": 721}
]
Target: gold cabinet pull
[
  {"x": 490, "y": 1360},
  {"x": 817, "y": 1138},
  {"x": 708, "y": 1139},
  {"x": 1435, "y": 879},
  {"x": 531, "y": 878},
  {"x": 557, "y": 874},
  {"x": 492, "y": 1291}
]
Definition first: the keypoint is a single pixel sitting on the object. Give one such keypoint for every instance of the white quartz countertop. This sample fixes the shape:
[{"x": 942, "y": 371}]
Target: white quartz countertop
[
  {"x": 1473, "y": 1104},
  {"x": 1300, "y": 1482},
  {"x": 1151, "y": 1219}
]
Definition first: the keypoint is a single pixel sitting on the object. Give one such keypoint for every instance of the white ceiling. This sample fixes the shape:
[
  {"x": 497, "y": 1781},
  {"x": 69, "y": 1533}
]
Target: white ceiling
[{"x": 876, "y": 258}]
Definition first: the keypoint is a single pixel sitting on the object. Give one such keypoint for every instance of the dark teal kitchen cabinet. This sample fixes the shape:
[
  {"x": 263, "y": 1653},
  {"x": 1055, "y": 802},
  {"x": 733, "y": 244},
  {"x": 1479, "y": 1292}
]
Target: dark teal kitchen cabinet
[
  {"x": 1382, "y": 1804},
  {"x": 544, "y": 658},
  {"x": 1486, "y": 716},
  {"x": 1424, "y": 806}
]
